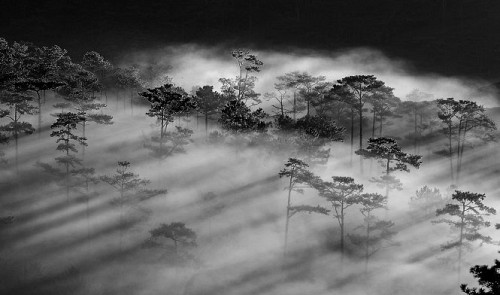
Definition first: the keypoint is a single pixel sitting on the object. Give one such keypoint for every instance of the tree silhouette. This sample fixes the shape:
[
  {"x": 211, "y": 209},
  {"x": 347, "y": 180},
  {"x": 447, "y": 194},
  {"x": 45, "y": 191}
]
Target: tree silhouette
[
  {"x": 356, "y": 90},
  {"x": 390, "y": 156},
  {"x": 342, "y": 192},
  {"x": 296, "y": 171},
  {"x": 236, "y": 117},
  {"x": 19, "y": 104},
  {"x": 419, "y": 109},
  {"x": 314, "y": 133},
  {"x": 88, "y": 106},
  {"x": 165, "y": 102},
  {"x": 281, "y": 97},
  {"x": 487, "y": 277},
  {"x": 209, "y": 103},
  {"x": 425, "y": 203},
  {"x": 308, "y": 87},
  {"x": 41, "y": 72},
  {"x": 65, "y": 125},
  {"x": 183, "y": 238},
  {"x": 466, "y": 217},
  {"x": 247, "y": 63},
  {"x": 462, "y": 119},
  {"x": 384, "y": 104},
  {"x": 378, "y": 233},
  {"x": 131, "y": 191}
]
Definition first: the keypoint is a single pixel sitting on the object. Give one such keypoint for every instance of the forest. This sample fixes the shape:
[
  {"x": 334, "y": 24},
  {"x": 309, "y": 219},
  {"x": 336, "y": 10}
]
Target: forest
[{"x": 199, "y": 170}]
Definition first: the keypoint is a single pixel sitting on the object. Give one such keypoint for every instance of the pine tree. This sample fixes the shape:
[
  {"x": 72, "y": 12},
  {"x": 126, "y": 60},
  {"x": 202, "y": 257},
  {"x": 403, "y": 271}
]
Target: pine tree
[
  {"x": 296, "y": 171},
  {"x": 342, "y": 193},
  {"x": 19, "y": 104},
  {"x": 65, "y": 125},
  {"x": 378, "y": 233},
  {"x": 390, "y": 156},
  {"x": 465, "y": 216},
  {"x": 132, "y": 190},
  {"x": 166, "y": 102}
]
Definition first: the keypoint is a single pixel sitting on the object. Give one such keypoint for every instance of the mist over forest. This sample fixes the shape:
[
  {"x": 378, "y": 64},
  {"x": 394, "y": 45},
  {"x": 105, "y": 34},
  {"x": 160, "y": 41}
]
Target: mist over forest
[{"x": 195, "y": 168}]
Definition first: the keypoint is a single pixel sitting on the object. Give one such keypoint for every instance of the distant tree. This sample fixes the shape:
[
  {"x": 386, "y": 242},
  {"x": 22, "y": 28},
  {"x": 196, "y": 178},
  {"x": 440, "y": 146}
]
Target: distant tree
[
  {"x": 488, "y": 278},
  {"x": 280, "y": 96},
  {"x": 42, "y": 66},
  {"x": 209, "y": 103},
  {"x": 88, "y": 108},
  {"x": 378, "y": 233},
  {"x": 296, "y": 171},
  {"x": 166, "y": 102},
  {"x": 465, "y": 216},
  {"x": 236, "y": 117},
  {"x": 127, "y": 80},
  {"x": 95, "y": 63},
  {"x": 462, "y": 119},
  {"x": 65, "y": 126},
  {"x": 247, "y": 63},
  {"x": 83, "y": 178},
  {"x": 314, "y": 134},
  {"x": 341, "y": 193},
  {"x": 61, "y": 105},
  {"x": 19, "y": 104},
  {"x": 183, "y": 238},
  {"x": 425, "y": 203},
  {"x": 306, "y": 85},
  {"x": 290, "y": 81},
  {"x": 132, "y": 190},
  {"x": 384, "y": 105},
  {"x": 356, "y": 90},
  {"x": 420, "y": 109},
  {"x": 339, "y": 97},
  {"x": 390, "y": 156},
  {"x": 4, "y": 139},
  {"x": 173, "y": 142}
]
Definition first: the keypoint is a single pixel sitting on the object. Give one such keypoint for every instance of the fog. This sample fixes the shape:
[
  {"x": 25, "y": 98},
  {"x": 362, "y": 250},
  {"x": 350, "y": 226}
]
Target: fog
[
  {"x": 194, "y": 65},
  {"x": 60, "y": 246}
]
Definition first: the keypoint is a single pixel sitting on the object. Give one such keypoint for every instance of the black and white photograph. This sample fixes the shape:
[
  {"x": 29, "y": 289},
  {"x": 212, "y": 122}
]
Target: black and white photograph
[{"x": 249, "y": 147}]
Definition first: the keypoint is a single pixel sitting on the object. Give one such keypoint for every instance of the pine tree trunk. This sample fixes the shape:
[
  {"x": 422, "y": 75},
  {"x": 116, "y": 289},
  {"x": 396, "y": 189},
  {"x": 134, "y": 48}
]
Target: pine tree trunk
[
  {"x": 287, "y": 216},
  {"x": 352, "y": 135},
  {"x": 367, "y": 241},
  {"x": 39, "y": 114}
]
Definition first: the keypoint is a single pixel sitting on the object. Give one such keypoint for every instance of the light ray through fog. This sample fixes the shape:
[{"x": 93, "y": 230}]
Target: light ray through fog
[{"x": 240, "y": 245}]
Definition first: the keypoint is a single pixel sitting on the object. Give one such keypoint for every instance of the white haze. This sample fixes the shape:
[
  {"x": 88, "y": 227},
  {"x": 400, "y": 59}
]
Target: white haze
[
  {"x": 193, "y": 65},
  {"x": 240, "y": 248}
]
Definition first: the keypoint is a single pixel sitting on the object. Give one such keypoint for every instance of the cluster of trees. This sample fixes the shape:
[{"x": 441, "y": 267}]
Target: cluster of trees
[{"x": 309, "y": 114}]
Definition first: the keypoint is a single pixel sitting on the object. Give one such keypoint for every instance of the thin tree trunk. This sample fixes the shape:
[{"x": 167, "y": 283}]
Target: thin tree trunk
[
  {"x": 373, "y": 124},
  {"x": 352, "y": 135},
  {"x": 450, "y": 152},
  {"x": 367, "y": 240},
  {"x": 287, "y": 216},
  {"x": 206, "y": 124},
  {"x": 460, "y": 242},
  {"x": 294, "y": 105},
  {"x": 342, "y": 235},
  {"x": 39, "y": 113},
  {"x": 415, "y": 131}
]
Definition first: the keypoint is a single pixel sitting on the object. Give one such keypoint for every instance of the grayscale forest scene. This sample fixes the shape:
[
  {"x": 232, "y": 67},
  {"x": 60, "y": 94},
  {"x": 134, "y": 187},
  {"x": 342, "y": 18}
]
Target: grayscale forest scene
[{"x": 224, "y": 147}]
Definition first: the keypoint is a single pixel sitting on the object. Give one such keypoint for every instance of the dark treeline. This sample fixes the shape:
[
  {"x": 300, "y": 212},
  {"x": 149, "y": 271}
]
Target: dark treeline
[
  {"x": 426, "y": 32},
  {"x": 308, "y": 115}
]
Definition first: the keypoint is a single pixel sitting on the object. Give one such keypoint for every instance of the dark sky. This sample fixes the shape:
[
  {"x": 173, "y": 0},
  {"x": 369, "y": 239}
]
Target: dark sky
[{"x": 449, "y": 37}]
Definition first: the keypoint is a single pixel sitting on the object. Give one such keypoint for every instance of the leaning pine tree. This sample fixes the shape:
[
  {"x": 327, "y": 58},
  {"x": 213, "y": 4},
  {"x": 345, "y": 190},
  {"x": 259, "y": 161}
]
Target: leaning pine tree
[
  {"x": 296, "y": 171},
  {"x": 465, "y": 216}
]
